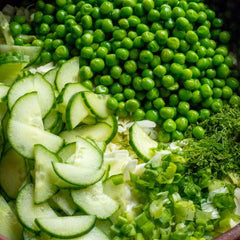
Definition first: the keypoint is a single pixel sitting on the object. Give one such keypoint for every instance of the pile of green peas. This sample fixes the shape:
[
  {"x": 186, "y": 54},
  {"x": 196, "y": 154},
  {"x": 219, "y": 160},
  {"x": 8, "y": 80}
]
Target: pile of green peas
[{"x": 161, "y": 60}]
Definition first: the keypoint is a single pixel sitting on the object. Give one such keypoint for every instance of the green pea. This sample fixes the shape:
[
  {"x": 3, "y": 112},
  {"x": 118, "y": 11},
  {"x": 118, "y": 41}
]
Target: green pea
[
  {"x": 223, "y": 71},
  {"x": 192, "y": 15},
  {"x": 169, "y": 125},
  {"x": 106, "y": 7},
  {"x": 133, "y": 21},
  {"x": 165, "y": 12},
  {"x": 85, "y": 73},
  {"x": 106, "y": 80},
  {"x": 234, "y": 100},
  {"x": 206, "y": 91},
  {"x": 88, "y": 84},
  {"x": 152, "y": 115},
  {"x": 152, "y": 94},
  {"x": 182, "y": 23},
  {"x": 183, "y": 107},
  {"x": 153, "y": 16},
  {"x": 62, "y": 52},
  {"x": 204, "y": 114},
  {"x": 198, "y": 132},
  {"x": 159, "y": 71},
  {"x": 129, "y": 93},
  {"x": 186, "y": 74},
  {"x": 147, "y": 83},
  {"x": 97, "y": 64},
  {"x": 15, "y": 28},
  {"x": 177, "y": 135},
  {"x": 196, "y": 97},
  {"x": 145, "y": 56},
  {"x": 138, "y": 115},
  {"x": 132, "y": 105},
  {"x": 167, "y": 112},
  {"x": 181, "y": 124},
  {"x": 173, "y": 43},
  {"x": 119, "y": 34},
  {"x": 173, "y": 100},
  {"x": 112, "y": 103},
  {"x": 60, "y": 31},
  {"x": 191, "y": 57},
  {"x": 164, "y": 136},
  {"x": 191, "y": 37},
  {"x": 192, "y": 116},
  {"x": 227, "y": 92},
  {"x": 100, "y": 89},
  {"x": 217, "y": 92},
  {"x": 216, "y": 105},
  {"x": 115, "y": 88},
  {"x": 167, "y": 81},
  {"x": 121, "y": 111},
  {"x": 219, "y": 82},
  {"x": 167, "y": 55},
  {"x": 46, "y": 57},
  {"x": 184, "y": 94},
  {"x": 161, "y": 36},
  {"x": 141, "y": 28},
  {"x": 158, "y": 103},
  {"x": 125, "y": 79},
  {"x": 119, "y": 97},
  {"x": 232, "y": 82},
  {"x": 179, "y": 58}
]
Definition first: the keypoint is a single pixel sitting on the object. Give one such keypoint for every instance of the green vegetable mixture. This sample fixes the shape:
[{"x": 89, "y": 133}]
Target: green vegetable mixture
[{"x": 113, "y": 65}]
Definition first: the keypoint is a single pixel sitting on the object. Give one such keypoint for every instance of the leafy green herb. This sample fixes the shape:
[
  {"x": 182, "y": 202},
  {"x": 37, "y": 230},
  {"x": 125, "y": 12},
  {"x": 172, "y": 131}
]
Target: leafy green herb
[{"x": 220, "y": 148}]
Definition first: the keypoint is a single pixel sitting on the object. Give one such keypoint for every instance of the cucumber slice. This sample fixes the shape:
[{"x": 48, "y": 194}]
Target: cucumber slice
[
  {"x": 66, "y": 227},
  {"x": 33, "y": 83},
  {"x": 89, "y": 120},
  {"x": 51, "y": 120},
  {"x": 101, "y": 132},
  {"x": 32, "y": 51},
  {"x": 82, "y": 154},
  {"x": 44, "y": 187},
  {"x": 76, "y": 111},
  {"x": 9, "y": 225},
  {"x": 68, "y": 73},
  {"x": 27, "y": 110},
  {"x": 64, "y": 202},
  {"x": 12, "y": 164},
  {"x": 50, "y": 76},
  {"x": 9, "y": 71},
  {"x": 23, "y": 138},
  {"x": 141, "y": 143},
  {"x": 94, "y": 234},
  {"x": 111, "y": 121},
  {"x": 3, "y": 91},
  {"x": 93, "y": 201},
  {"x": 28, "y": 211},
  {"x": 97, "y": 104},
  {"x": 77, "y": 175}
]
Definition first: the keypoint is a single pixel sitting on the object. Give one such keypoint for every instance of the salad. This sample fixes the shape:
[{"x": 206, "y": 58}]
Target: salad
[{"x": 119, "y": 120}]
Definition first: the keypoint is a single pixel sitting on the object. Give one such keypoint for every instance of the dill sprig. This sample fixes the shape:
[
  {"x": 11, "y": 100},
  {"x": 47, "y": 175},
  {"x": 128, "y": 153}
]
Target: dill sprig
[{"x": 220, "y": 148}]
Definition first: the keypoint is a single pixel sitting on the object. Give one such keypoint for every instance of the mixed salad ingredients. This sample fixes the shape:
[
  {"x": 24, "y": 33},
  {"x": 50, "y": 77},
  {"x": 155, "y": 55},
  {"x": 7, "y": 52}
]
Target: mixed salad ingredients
[{"x": 119, "y": 120}]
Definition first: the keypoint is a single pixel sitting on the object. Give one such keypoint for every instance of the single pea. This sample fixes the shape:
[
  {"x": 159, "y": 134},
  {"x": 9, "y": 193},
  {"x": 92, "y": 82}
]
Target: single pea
[
  {"x": 107, "y": 25},
  {"x": 176, "y": 69},
  {"x": 158, "y": 103},
  {"x": 106, "y": 80},
  {"x": 106, "y": 7},
  {"x": 167, "y": 81},
  {"x": 203, "y": 31},
  {"x": 219, "y": 82},
  {"x": 49, "y": 9},
  {"x": 62, "y": 52},
  {"x": 169, "y": 23},
  {"x": 167, "y": 112},
  {"x": 147, "y": 83},
  {"x": 152, "y": 115},
  {"x": 76, "y": 31},
  {"x": 195, "y": 72},
  {"x": 224, "y": 37},
  {"x": 46, "y": 57},
  {"x": 164, "y": 136},
  {"x": 165, "y": 12},
  {"x": 227, "y": 92},
  {"x": 196, "y": 97},
  {"x": 179, "y": 58},
  {"x": 40, "y": 5},
  {"x": 137, "y": 83},
  {"x": 132, "y": 105},
  {"x": 101, "y": 89},
  {"x": 223, "y": 71},
  {"x": 147, "y": 37},
  {"x": 26, "y": 28},
  {"x": 191, "y": 57},
  {"x": 123, "y": 23},
  {"x": 130, "y": 66},
  {"x": 60, "y": 31},
  {"x": 119, "y": 34},
  {"x": 138, "y": 115},
  {"x": 202, "y": 51},
  {"x": 217, "y": 22},
  {"x": 198, "y": 132},
  {"x": 125, "y": 79},
  {"x": 189, "y": 84},
  {"x": 37, "y": 17},
  {"x": 218, "y": 59},
  {"x": 159, "y": 71},
  {"x": 202, "y": 64},
  {"x": 217, "y": 92},
  {"x": 152, "y": 94},
  {"x": 232, "y": 82},
  {"x": 98, "y": 36},
  {"x": 204, "y": 114},
  {"x": 167, "y": 55},
  {"x": 85, "y": 73},
  {"x": 173, "y": 100},
  {"x": 184, "y": 94},
  {"x": 137, "y": 42},
  {"x": 112, "y": 103},
  {"x": 182, "y": 23},
  {"x": 234, "y": 100},
  {"x": 184, "y": 46},
  {"x": 18, "y": 41},
  {"x": 216, "y": 105},
  {"x": 115, "y": 88},
  {"x": 169, "y": 125},
  {"x": 191, "y": 37},
  {"x": 211, "y": 73},
  {"x": 177, "y": 135},
  {"x": 127, "y": 43},
  {"x": 207, "y": 102},
  {"x": 206, "y": 91},
  {"x": 111, "y": 60},
  {"x": 180, "y": 34},
  {"x": 88, "y": 84},
  {"x": 97, "y": 64},
  {"x": 148, "y": 4},
  {"x": 145, "y": 56},
  {"x": 173, "y": 43},
  {"x": 15, "y": 28},
  {"x": 192, "y": 15},
  {"x": 186, "y": 74},
  {"x": 156, "y": 61},
  {"x": 228, "y": 61},
  {"x": 87, "y": 52},
  {"x": 147, "y": 73},
  {"x": 129, "y": 93},
  {"x": 222, "y": 50},
  {"x": 119, "y": 97},
  {"x": 153, "y": 16},
  {"x": 161, "y": 36},
  {"x": 121, "y": 111},
  {"x": 141, "y": 28},
  {"x": 183, "y": 107},
  {"x": 192, "y": 116},
  {"x": 133, "y": 21},
  {"x": 126, "y": 12},
  {"x": 181, "y": 124},
  {"x": 178, "y": 12},
  {"x": 116, "y": 72}
]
